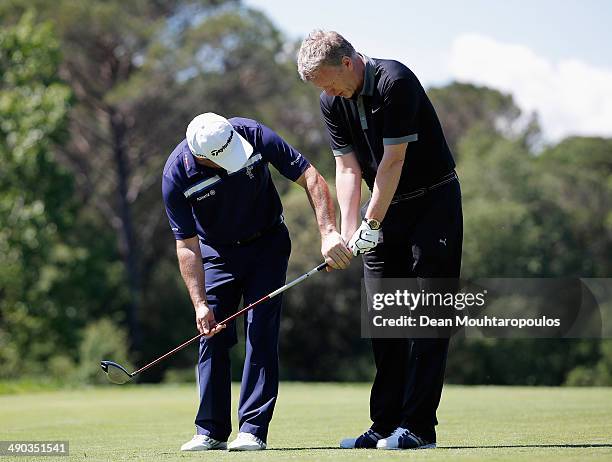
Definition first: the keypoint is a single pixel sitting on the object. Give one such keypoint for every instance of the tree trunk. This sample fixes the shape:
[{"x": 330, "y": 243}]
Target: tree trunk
[{"x": 127, "y": 243}]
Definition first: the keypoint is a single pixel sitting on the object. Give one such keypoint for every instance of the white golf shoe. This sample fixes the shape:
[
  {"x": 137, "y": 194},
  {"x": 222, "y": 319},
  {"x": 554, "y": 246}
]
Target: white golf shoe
[
  {"x": 246, "y": 442},
  {"x": 203, "y": 443},
  {"x": 367, "y": 440},
  {"x": 402, "y": 438}
]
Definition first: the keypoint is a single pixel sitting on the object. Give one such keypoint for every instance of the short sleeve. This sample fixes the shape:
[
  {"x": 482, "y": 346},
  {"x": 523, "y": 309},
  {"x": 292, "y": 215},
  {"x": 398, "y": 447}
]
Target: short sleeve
[
  {"x": 178, "y": 210},
  {"x": 401, "y": 103},
  {"x": 285, "y": 158},
  {"x": 339, "y": 139}
]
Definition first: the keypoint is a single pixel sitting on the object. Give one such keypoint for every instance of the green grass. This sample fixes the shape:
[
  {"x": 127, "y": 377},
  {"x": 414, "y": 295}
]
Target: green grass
[{"x": 476, "y": 423}]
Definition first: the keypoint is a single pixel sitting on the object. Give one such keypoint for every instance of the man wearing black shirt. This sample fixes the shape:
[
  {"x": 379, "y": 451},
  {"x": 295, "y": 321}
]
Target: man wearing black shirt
[{"x": 384, "y": 130}]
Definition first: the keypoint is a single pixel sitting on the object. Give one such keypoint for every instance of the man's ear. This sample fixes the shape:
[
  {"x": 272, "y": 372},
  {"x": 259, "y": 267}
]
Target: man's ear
[{"x": 347, "y": 62}]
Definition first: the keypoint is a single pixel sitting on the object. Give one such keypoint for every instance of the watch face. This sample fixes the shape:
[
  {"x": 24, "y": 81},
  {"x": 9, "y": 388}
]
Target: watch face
[{"x": 373, "y": 224}]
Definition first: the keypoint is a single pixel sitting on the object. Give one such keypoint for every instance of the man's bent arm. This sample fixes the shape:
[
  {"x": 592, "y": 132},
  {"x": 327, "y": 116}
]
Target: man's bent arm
[
  {"x": 332, "y": 246},
  {"x": 386, "y": 181},
  {"x": 348, "y": 189},
  {"x": 190, "y": 263}
]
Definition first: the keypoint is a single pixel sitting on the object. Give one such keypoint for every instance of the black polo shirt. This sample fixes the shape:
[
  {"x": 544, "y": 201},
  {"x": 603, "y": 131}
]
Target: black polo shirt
[{"x": 392, "y": 108}]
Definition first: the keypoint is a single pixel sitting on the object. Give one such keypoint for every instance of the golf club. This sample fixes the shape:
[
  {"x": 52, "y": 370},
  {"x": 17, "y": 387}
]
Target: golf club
[{"x": 119, "y": 374}]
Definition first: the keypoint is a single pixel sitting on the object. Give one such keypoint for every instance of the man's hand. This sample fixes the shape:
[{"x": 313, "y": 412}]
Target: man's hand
[
  {"x": 190, "y": 262},
  {"x": 205, "y": 320},
  {"x": 336, "y": 253},
  {"x": 364, "y": 239}
]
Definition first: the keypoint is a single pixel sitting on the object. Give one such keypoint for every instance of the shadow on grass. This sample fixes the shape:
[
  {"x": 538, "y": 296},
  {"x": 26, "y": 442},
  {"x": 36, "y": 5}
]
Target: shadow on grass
[
  {"x": 505, "y": 446},
  {"x": 313, "y": 448},
  {"x": 500, "y": 446}
]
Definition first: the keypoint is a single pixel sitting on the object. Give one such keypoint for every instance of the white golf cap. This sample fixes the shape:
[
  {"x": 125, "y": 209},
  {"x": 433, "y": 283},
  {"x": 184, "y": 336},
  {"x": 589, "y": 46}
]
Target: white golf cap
[{"x": 212, "y": 137}]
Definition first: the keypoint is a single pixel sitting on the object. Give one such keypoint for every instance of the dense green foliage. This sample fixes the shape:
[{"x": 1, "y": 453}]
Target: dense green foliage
[
  {"x": 53, "y": 277},
  {"x": 95, "y": 95}
]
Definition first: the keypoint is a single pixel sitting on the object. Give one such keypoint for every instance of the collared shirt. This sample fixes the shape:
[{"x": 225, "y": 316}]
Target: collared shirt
[
  {"x": 392, "y": 108},
  {"x": 223, "y": 208}
]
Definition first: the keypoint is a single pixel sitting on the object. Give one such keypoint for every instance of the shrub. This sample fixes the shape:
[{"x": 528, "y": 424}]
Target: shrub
[{"x": 102, "y": 339}]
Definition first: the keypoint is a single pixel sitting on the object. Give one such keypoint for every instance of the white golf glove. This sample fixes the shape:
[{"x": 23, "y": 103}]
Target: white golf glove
[{"x": 364, "y": 239}]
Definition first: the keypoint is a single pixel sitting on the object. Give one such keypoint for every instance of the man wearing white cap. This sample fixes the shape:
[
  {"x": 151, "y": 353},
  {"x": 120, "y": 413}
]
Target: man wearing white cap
[{"x": 225, "y": 212}]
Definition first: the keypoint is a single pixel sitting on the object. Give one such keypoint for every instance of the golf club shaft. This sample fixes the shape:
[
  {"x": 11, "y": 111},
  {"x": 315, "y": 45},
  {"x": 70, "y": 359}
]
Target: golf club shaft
[
  {"x": 321, "y": 267},
  {"x": 275, "y": 293}
]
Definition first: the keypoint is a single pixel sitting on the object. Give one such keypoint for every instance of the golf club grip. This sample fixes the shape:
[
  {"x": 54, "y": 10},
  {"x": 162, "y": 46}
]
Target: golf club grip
[
  {"x": 235, "y": 315},
  {"x": 275, "y": 293}
]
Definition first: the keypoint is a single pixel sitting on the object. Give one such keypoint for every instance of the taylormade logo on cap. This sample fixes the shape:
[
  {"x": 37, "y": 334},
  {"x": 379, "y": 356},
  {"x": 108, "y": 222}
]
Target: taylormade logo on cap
[
  {"x": 211, "y": 136},
  {"x": 215, "y": 152}
]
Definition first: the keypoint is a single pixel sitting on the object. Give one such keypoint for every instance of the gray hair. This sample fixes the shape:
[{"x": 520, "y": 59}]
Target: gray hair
[{"x": 322, "y": 48}]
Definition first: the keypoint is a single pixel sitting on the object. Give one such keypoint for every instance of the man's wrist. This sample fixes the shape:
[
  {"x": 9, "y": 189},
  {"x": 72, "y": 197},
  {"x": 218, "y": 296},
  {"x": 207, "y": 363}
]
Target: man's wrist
[
  {"x": 372, "y": 223},
  {"x": 328, "y": 230}
]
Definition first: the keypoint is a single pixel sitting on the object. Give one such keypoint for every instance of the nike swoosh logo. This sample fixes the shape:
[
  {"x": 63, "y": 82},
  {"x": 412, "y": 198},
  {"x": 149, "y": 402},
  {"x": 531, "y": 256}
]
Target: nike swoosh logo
[{"x": 376, "y": 109}]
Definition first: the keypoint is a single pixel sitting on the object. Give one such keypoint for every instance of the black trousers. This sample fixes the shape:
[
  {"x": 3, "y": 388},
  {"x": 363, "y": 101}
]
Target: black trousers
[{"x": 422, "y": 238}]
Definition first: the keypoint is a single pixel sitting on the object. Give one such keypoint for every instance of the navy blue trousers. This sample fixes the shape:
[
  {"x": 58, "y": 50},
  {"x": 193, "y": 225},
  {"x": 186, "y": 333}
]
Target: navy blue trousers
[
  {"x": 233, "y": 273},
  {"x": 422, "y": 238}
]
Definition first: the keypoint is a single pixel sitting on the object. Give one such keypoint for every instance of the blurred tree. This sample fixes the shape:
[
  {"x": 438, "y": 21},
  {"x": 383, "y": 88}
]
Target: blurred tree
[
  {"x": 541, "y": 215},
  {"x": 49, "y": 280},
  {"x": 576, "y": 177},
  {"x": 465, "y": 106},
  {"x": 520, "y": 361},
  {"x": 495, "y": 175}
]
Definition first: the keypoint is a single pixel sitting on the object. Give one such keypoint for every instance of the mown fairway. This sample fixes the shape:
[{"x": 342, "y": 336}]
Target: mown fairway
[{"x": 476, "y": 423}]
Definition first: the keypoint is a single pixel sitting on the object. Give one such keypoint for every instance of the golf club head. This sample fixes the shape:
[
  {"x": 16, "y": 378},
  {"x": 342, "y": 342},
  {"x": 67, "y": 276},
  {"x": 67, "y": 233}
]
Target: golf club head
[{"x": 115, "y": 372}]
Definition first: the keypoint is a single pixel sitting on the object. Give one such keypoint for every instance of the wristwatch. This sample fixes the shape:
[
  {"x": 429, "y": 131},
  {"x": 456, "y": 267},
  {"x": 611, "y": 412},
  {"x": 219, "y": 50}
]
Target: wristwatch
[{"x": 372, "y": 223}]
